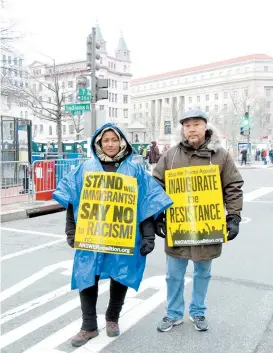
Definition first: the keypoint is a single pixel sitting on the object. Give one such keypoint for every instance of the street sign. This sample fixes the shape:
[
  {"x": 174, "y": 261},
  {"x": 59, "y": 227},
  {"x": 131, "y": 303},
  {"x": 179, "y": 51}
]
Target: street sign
[
  {"x": 77, "y": 108},
  {"x": 83, "y": 91},
  {"x": 84, "y": 98}
]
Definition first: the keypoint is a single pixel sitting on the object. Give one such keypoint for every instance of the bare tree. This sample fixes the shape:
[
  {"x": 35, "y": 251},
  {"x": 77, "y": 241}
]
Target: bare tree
[
  {"x": 50, "y": 109},
  {"x": 77, "y": 121}
]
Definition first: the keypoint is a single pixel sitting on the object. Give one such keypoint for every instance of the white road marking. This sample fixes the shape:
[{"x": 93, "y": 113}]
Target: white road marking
[
  {"x": 250, "y": 196},
  {"x": 29, "y": 250},
  {"x": 15, "y": 230},
  {"x": 35, "y": 277},
  {"x": 33, "y": 304},
  {"x": 44, "y": 319},
  {"x": 245, "y": 220}
]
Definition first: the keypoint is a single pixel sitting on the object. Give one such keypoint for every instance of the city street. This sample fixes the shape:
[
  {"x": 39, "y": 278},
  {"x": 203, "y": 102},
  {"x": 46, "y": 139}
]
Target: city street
[{"x": 40, "y": 313}]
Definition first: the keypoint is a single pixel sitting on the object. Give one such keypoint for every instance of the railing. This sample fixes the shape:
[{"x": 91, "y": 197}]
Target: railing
[{"x": 15, "y": 178}]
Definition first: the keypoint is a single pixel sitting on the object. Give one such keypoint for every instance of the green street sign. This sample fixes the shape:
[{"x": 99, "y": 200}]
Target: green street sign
[
  {"x": 83, "y": 92},
  {"x": 84, "y": 98},
  {"x": 77, "y": 108}
]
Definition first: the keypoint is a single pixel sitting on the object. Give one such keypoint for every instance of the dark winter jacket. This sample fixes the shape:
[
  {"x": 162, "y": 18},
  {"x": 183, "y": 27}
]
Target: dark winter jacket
[
  {"x": 184, "y": 155},
  {"x": 154, "y": 154}
]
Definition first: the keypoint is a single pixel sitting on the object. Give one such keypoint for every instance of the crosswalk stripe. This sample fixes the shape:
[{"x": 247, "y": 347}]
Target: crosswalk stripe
[
  {"x": 33, "y": 304},
  {"x": 250, "y": 196},
  {"x": 44, "y": 319}
]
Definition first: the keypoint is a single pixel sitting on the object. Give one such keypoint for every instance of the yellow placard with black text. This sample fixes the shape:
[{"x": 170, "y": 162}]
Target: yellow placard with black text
[
  {"x": 107, "y": 213},
  {"x": 197, "y": 216}
]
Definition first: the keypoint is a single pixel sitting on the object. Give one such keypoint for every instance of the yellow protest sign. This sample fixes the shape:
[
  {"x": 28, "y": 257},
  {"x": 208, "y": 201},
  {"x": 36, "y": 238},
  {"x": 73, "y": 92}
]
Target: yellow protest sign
[
  {"x": 197, "y": 216},
  {"x": 107, "y": 213}
]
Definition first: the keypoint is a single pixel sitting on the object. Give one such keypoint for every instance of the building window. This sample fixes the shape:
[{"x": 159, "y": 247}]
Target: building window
[
  {"x": 265, "y": 68},
  {"x": 114, "y": 66},
  {"x": 147, "y": 105},
  {"x": 125, "y": 68},
  {"x": 268, "y": 92},
  {"x": 101, "y": 107},
  {"x": 140, "y": 115},
  {"x": 267, "y": 104},
  {"x": 70, "y": 84},
  {"x": 246, "y": 92},
  {"x": 167, "y": 128},
  {"x": 198, "y": 99},
  {"x": 34, "y": 88},
  {"x": 225, "y": 106},
  {"x": 216, "y": 108},
  {"x": 21, "y": 115},
  {"x": 110, "y": 110},
  {"x": 125, "y": 99},
  {"x": 140, "y": 106},
  {"x": 116, "y": 98},
  {"x": 235, "y": 94},
  {"x": 9, "y": 59},
  {"x": 225, "y": 95},
  {"x": 109, "y": 83},
  {"x": 35, "y": 130},
  {"x": 268, "y": 118},
  {"x": 216, "y": 96},
  {"x": 207, "y": 97},
  {"x": 41, "y": 130},
  {"x": 125, "y": 85},
  {"x": 71, "y": 129},
  {"x": 190, "y": 99},
  {"x": 125, "y": 113},
  {"x": 50, "y": 130},
  {"x": 49, "y": 86},
  {"x": 116, "y": 112},
  {"x": 116, "y": 84},
  {"x": 63, "y": 85},
  {"x": 64, "y": 129},
  {"x": 70, "y": 98},
  {"x": 147, "y": 114},
  {"x": 207, "y": 108}
]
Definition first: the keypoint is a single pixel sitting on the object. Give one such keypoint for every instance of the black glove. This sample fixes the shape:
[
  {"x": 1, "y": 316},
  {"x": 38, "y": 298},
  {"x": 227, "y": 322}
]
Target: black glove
[
  {"x": 147, "y": 230},
  {"x": 160, "y": 225},
  {"x": 233, "y": 222},
  {"x": 70, "y": 226}
]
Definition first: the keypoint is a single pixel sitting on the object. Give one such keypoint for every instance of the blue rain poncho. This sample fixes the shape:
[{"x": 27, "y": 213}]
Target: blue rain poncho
[{"x": 152, "y": 200}]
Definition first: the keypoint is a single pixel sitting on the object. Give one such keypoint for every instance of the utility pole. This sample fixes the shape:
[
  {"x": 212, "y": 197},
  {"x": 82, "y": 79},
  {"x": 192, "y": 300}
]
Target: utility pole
[
  {"x": 96, "y": 83},
  {"x": 93, "y": 80},
  {"x": 248, "y": 136}
]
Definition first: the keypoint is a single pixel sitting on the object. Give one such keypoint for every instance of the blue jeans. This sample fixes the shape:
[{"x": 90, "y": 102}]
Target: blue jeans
[{"x": 176, "y": 269}]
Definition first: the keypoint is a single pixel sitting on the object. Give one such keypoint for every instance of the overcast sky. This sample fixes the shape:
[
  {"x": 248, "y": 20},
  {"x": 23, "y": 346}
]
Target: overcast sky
[{"x": 162, "y": 35}]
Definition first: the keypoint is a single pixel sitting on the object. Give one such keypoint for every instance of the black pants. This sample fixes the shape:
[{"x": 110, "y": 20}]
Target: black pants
[
  {"x": 243, "y": 160},
  {"x": 89, "y": 298}
]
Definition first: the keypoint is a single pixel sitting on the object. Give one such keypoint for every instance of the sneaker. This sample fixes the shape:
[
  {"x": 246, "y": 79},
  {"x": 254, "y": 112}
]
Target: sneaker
[
  {"x": 166, "y": 324},
  {"x": 200, "y": 323},
  {"x": 83, "y": 337},
  {"x": 112, "y": 329}
]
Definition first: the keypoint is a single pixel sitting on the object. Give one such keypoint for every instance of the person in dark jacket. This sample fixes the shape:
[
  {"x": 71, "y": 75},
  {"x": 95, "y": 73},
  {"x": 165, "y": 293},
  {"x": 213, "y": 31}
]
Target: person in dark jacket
[
  {"x": 112, "y": 153},
  {"x": 199, "y": 145},
  {"x": 244, "y": 156},
  {"x": 154, "y": 154}
]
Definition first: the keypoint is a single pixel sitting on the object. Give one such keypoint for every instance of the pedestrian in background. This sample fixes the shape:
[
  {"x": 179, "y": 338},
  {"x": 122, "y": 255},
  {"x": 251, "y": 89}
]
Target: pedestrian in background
[
  {"x": 154, "y": 154},
  {"x": 200, "y": 145},
  {"x": 244, "y": 156},
  {"x": 111, "y": 153}
]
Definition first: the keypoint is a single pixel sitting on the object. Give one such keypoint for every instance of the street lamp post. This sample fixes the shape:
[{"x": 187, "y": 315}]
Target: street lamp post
[{"x": 248, "y": 137}]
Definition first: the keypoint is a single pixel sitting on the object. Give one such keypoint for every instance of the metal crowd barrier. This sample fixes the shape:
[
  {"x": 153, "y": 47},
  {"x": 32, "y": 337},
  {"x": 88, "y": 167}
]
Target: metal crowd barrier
[
  {"x": 15, "y": 178},
  {"x": 47, "y": 173}
]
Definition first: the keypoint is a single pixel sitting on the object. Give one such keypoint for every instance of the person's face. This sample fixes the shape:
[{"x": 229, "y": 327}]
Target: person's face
[
  {"x": 110, "y": 144},
  {"x": 195, "y": 131}
]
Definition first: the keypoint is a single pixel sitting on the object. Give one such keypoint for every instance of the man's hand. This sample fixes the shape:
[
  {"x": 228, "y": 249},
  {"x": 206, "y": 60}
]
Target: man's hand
[
  {"x": 160, "y": 225},
  {"x": 147, "y": 230},
  {"x": 233, "y": 222}
]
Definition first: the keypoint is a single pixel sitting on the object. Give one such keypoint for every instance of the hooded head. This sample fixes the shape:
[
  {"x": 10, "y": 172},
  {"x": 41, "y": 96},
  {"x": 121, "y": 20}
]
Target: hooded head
[{"x": 109, "y": 144}]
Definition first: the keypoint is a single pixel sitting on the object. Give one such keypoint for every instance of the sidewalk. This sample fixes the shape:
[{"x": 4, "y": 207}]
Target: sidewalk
[
  {"x": 254, "y": 165},
  {"x": 19, "y": 207}
]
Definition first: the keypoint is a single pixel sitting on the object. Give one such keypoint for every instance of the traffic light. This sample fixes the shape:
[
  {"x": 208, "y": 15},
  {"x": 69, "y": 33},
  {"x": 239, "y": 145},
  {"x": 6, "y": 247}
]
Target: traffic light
[
  {"x": 101, "y": 92},
  {"x": 91, "y": 53},
  {"x": 98, "y": 85},
  {"x": 242, "y": 131},
  {"x": 246, "y": 118}
]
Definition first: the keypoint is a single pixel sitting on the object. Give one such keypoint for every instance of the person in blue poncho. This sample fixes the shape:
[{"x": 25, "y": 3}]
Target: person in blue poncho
[{"x": 112, "y": 153}]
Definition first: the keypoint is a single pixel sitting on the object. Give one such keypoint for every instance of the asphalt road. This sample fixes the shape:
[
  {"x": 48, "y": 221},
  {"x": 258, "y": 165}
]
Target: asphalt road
[{"x": 40, "y": 313}]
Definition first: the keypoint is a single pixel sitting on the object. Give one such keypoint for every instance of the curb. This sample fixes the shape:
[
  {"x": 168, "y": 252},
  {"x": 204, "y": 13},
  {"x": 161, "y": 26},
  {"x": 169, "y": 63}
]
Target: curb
[{"x": 29, "y": 212}]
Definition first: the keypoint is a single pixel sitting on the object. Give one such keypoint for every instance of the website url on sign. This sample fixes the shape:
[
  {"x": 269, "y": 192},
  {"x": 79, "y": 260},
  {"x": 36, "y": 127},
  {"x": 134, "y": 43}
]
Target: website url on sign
[
  {"x": 194, "y": 242},
  {"x": 105, "y": 248}
]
